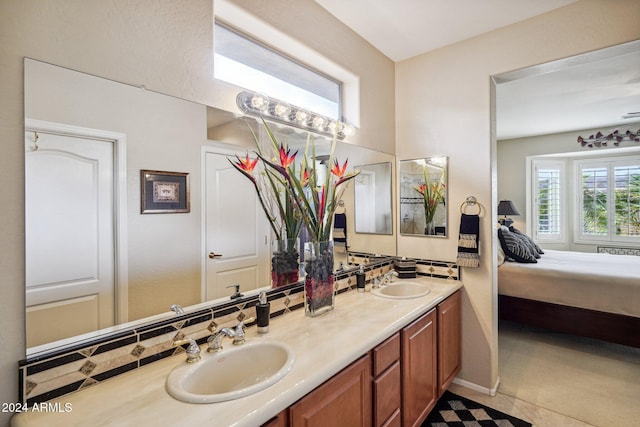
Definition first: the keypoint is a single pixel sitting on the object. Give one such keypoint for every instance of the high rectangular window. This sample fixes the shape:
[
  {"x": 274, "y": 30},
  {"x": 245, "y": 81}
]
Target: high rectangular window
[{"x": 251, "y": 65}]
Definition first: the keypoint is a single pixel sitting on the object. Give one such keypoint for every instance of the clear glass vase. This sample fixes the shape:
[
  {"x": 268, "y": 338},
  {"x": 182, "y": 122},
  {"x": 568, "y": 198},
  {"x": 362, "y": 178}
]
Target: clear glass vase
[
  {"x": 319, "y": 292},
  {"x": 285, "y": 262},
  {"x": 430, "y": 228}
]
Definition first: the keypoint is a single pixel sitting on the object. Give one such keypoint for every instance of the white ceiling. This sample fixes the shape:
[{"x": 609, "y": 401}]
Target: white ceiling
[
  {"x": 402, "y": 29},
  {"x": 567, "y": 95},
  {"x": 595, "y": 93}
]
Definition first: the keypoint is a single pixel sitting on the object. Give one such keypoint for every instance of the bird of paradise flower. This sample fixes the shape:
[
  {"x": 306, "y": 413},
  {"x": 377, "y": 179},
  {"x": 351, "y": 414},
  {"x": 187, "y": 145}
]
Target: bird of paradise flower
[
  {"x": 317, "y": 201},
  {"x": 432, "y": 192},
  {"x": 280, "y": 209}
]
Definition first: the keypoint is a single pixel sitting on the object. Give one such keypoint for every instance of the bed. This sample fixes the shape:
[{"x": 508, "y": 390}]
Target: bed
[{"x": 589, "y": 294}]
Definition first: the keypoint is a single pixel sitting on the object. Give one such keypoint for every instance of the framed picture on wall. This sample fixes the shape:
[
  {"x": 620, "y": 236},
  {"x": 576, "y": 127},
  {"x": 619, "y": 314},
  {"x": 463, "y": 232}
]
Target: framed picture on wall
[{"x": 164, "y": 192}]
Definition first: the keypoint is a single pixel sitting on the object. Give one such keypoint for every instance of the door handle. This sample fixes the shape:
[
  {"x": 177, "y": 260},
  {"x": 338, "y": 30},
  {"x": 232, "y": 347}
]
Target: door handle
[{"x": 213, "y": 255}]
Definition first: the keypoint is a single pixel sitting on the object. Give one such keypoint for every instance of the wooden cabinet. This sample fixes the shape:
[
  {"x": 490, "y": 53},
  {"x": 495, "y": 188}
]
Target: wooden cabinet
[
  {"x": 344, "y": 400},
  {"x": 279, "y": 420},
  {"x": 419, "y": 369},
  {"x": 449, "y": 340},
  {"x": 386, "y": 383},
  {"x": 396, "y": 384}
]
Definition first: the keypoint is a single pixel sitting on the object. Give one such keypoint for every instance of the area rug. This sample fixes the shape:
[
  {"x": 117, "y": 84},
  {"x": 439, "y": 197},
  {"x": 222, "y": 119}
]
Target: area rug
[{"x": 452, "y": 410}]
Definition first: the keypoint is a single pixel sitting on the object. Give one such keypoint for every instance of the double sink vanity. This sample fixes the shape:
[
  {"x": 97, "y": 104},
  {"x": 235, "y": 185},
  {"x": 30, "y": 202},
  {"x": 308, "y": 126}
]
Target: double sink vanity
[{"x": 382, "y": 357}]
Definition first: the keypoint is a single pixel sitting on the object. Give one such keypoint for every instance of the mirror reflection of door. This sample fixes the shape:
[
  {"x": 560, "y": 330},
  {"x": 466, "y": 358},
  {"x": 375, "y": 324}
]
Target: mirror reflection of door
[
  {"x": 236, "y": 234},
  {"x": 365, "y": 195},
  {"x": 373, "y": 199},
  {"x": 69, "y": 222}
]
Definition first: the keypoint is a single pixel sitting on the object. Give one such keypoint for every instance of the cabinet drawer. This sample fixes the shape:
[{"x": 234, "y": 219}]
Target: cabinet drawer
[{"x": 385, "y": 354}]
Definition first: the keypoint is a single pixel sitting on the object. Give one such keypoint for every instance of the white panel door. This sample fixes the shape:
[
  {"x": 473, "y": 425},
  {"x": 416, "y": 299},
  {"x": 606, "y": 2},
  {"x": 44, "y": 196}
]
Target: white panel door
[
  {"x": 69, "y": 226},
  {"x": 236, "y": 238},
  {"x": 365, "y": 195}
]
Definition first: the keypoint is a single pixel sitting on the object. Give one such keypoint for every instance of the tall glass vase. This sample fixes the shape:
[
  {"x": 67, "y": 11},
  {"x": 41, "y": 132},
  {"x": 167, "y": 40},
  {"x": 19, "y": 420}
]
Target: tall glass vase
[
  {"x": 285, "y": 262},
  {"x": 430, "y": 229},
  {"x": 318, "y": 285}
]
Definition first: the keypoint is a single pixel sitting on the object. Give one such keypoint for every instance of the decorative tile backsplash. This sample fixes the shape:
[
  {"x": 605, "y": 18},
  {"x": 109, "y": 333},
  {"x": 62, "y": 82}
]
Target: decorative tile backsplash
[{"x": 54, "y": 374}]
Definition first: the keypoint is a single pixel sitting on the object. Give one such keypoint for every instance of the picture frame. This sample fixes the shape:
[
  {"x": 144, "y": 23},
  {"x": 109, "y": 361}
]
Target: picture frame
[{"x": 164, "y": 192}]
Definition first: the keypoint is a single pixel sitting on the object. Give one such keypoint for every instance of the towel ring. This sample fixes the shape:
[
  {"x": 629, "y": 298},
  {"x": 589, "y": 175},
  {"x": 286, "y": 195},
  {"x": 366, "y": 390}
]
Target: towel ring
[{"x": 471, "y": 201}]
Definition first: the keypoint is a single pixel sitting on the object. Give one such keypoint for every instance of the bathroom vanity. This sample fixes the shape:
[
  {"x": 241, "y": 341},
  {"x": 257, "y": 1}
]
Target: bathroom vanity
[{"x": 376, "y": 360}]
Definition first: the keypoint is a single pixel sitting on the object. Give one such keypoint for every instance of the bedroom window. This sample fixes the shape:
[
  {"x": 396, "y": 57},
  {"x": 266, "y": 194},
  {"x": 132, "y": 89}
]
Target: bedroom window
[
  {"x": 547, "y": 200},
  {"x": 609, "y": 199}
]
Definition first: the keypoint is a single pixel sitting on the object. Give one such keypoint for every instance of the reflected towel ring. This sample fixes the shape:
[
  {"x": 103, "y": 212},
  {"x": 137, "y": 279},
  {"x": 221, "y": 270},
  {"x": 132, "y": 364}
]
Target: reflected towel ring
[{"x": 471, "y": 201}]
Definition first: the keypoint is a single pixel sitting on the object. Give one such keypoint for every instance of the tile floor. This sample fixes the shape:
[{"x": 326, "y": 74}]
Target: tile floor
[{"x": 554, "y": 380}]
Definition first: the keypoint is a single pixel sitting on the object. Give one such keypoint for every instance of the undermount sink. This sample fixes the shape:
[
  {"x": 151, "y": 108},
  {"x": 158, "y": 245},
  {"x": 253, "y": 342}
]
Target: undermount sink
[
  {"x": 235, "y": 371},
  {"x": 402, "y": 290}
]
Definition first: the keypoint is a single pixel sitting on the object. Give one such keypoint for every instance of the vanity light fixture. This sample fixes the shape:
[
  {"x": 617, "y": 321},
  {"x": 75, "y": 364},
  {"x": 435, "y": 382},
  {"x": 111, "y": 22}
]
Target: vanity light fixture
[{"x": 257, "y": 104}]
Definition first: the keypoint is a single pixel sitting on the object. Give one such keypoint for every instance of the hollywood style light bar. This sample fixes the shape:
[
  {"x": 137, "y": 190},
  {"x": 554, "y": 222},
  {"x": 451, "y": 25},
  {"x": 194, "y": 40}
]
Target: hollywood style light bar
[{"x": 260, "y": 105}]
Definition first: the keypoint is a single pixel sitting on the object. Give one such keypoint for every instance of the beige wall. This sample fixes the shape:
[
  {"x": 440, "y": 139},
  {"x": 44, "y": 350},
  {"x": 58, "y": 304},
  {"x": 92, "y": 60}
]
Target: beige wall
[
  {"x": 444, "y": 108},
  {"x": 166, "y": 46}
]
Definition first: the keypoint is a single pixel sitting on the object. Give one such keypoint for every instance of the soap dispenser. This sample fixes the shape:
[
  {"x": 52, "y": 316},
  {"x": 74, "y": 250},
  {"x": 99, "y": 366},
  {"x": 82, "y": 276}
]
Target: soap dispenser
[
  {"x": 262, "y": 313},
  {"x": 360, "y": 279}
]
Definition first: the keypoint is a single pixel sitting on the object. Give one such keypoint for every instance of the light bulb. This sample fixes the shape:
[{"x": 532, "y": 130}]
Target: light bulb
[
  {"x": 302, "y": 117},
  {"x": 319, "y": 123},
  {"x": 348, "y": 130},
  {"x": 282, "y": 110},
  {"x": 335, "y": 126},
  {"x": 259, "y": 102}
]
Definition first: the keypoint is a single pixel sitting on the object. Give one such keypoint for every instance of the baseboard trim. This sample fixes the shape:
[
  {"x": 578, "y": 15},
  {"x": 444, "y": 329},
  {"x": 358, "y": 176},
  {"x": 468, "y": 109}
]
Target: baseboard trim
[{"x": 473, "y": 386}]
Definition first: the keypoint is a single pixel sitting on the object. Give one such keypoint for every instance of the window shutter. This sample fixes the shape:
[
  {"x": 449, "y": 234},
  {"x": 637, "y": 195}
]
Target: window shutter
[{"x": 547, "y": 206}]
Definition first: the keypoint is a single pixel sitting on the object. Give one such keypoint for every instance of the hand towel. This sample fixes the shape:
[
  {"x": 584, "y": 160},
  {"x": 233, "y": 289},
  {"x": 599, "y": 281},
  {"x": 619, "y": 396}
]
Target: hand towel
[
  {"x": 468, "y": 241},
  {"x": 340, "y": 232}
]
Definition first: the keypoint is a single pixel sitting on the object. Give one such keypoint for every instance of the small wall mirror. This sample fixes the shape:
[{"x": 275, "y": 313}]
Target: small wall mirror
[
  {"x": 423, "y": 197},
  {"x": 373, "y": 199}
]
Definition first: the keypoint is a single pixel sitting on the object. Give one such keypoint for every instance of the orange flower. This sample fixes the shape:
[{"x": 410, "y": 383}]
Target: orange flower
[
  {"x": 304, "y": 181},
  {"x": 247, "y": 164},
  {"x": 421, "y": 188},
  {"x": 337, "y": 170},
  {"x": 285, "y": 158}
]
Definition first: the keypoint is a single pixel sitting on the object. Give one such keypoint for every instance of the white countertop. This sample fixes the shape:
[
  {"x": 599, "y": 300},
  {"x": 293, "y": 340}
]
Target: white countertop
[{"x": 323, "y": 346}]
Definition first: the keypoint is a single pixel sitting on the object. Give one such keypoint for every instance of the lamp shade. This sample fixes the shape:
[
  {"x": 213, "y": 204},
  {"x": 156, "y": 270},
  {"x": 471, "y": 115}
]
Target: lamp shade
[{"x": 506, "y": 207}]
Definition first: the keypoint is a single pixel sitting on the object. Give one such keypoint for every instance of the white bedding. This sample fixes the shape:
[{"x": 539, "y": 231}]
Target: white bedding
[{"x": 602, "y": 282}]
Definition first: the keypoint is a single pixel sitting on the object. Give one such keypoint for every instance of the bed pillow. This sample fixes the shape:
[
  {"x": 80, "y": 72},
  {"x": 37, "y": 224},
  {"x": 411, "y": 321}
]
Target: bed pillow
[
  {"x": 530, "y": 242},
  {"x": 514, "y": 248},
  {"x": 501, "y": 256}
]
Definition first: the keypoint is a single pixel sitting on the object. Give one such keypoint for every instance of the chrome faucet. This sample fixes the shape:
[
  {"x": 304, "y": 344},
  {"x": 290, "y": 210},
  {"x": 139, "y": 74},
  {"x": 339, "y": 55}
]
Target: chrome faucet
[
  {"x": 376, "y": 282},
  {"x": 236, "y": 292},
  {"x": 237, "y": 333},
  {"x": 193, "y": 351},
  {"x": 176, "y": 308},
  {"x": 388, "y": 277}
]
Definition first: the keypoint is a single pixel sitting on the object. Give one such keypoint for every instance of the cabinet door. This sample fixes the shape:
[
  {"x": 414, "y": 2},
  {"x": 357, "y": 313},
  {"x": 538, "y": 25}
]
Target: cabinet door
[
  {"x": 419, "y": 380},
  {"x": 386, "y": 396},
  {"x": 279, "y": 420},
  {"x": 449, "y": 340},
  {"x": 344, "y": 400}
]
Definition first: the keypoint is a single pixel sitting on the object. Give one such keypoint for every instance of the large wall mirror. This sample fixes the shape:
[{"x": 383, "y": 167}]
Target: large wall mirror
[
  {"x": 122, "y": 267},
  {"x": 373, "y": 199},
  {"x": 423, "y": 197}
]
